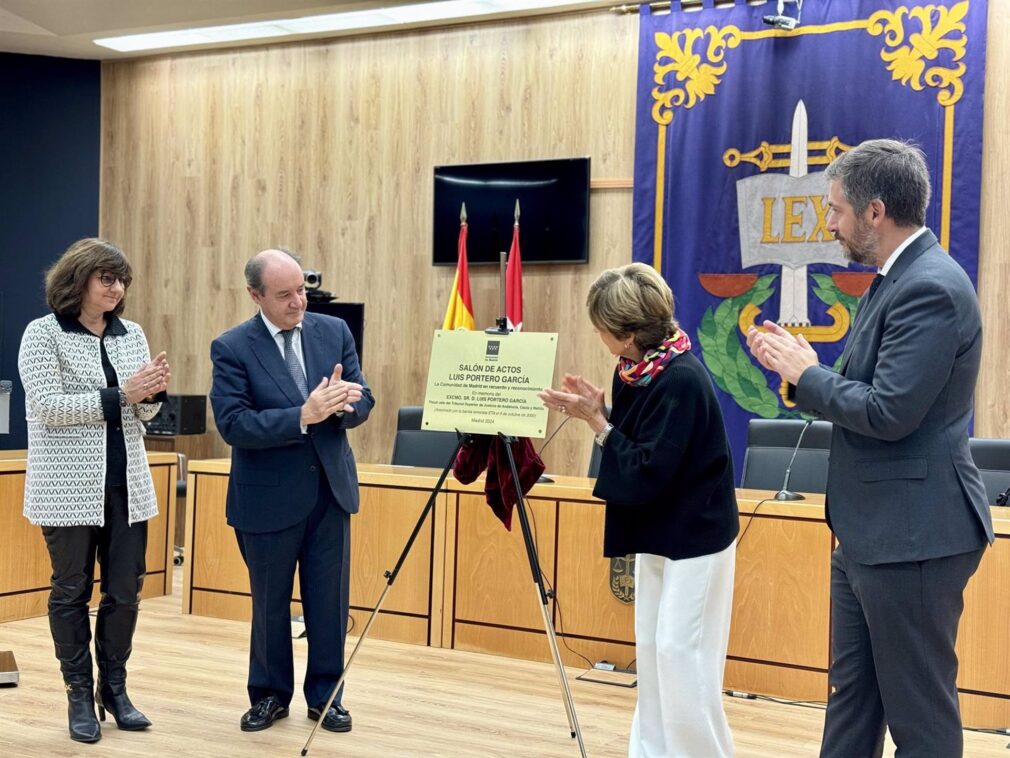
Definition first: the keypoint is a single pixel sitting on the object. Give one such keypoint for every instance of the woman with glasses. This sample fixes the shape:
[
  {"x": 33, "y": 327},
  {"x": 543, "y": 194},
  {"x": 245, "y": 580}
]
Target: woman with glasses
[{"x": 89, "y": 384}]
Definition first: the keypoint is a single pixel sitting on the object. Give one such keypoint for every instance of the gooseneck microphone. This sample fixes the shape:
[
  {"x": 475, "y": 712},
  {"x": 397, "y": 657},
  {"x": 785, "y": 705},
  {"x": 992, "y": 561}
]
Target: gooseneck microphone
[{"x": 784, "y": 493}]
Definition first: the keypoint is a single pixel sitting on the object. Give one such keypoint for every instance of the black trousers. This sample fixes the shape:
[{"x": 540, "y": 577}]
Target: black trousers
[
  {"x": 320, "y": 546},
  {"x": 120, "y": 550},
  {"x": 893, "y": 629}
]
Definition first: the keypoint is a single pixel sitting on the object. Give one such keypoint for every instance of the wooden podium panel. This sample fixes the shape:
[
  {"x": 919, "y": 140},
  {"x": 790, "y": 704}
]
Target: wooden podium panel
[
  {"x": 161, "y": 531},
  {"x": 25, "y": 569},
  {"x": 467, "y": 583},
  {"x": 379, "y": 532},
  {"x": 216, "y": 582},
  {"x": 213, "y": 555},
  {"x": 492, "y": 584},
  {"x": 779, "y": 641},
  {"x": 782, "y": 593},
  {"x": 589, "y": 607},
  {"x": 981, "y": 648}
]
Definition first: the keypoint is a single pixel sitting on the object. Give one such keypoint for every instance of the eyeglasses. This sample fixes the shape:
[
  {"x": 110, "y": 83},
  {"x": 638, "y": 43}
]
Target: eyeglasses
[{"x": 108, "y": 279}]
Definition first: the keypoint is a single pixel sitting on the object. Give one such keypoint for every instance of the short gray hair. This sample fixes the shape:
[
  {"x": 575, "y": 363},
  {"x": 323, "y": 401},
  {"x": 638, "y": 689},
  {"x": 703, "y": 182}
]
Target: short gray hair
[
  {"x": 633, "y": 300},
  {"x": 888, "y": 170},
  {"x": 256, "y": 265}
]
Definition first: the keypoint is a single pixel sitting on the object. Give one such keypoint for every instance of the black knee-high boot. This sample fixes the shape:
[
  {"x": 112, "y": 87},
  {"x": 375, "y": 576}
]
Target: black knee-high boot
[
  {"x": 72, "y": 582},
  {"x": 121, "y": 551},
  {"x": 113, "y": 645},
  {"x": 117, "y": 621}
]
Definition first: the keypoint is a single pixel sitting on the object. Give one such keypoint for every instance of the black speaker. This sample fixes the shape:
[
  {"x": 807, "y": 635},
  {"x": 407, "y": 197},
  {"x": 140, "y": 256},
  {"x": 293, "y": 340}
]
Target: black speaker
[
  {"x": 180, "y": 414},
  {"x": 352, "y": 313}
]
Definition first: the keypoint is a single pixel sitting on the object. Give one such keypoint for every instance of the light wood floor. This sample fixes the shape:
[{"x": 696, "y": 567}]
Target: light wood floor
[{"x": 188, "y": 676}]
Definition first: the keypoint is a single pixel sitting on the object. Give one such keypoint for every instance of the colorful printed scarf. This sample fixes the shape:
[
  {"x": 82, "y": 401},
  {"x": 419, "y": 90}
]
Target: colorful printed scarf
[{"x": 652, "y": 364}]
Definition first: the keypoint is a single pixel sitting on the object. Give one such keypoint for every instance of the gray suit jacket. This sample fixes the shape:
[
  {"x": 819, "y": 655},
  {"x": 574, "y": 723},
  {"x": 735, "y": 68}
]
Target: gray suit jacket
[{"x": 901, "y": 482}]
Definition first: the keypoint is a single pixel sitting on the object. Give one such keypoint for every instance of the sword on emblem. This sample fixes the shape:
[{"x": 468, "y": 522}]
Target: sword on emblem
[{"x": 793, "y": 292}]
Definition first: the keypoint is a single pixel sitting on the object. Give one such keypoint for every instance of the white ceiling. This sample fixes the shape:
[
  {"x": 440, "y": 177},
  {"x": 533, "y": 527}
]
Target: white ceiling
[{"x": 66, "y": 28}]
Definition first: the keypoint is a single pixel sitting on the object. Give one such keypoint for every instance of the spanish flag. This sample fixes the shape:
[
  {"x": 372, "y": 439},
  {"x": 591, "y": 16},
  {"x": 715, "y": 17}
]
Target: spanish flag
[
  {"x": 514, "y": 281},
  {"x": 459, "y": 314}
]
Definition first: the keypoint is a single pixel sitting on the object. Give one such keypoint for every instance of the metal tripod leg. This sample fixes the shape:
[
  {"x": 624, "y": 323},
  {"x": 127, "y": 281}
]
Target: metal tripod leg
[
  {"x": 390, "y": 578},
  {"x": 531, "y": 554}
]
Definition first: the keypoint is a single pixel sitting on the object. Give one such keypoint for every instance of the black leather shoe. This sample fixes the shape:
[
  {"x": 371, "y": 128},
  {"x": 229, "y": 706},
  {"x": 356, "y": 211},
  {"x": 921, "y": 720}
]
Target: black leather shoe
[
  {"x": 337, "y": 719},
  {"x": 263, "y": 714}
]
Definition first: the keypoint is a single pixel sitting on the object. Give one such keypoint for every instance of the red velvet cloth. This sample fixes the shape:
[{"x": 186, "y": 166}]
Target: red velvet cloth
[{"x": 488, "y": 451}]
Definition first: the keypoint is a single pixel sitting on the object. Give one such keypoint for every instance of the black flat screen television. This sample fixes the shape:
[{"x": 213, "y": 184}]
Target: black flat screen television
[{"x": 553, "y": 211}]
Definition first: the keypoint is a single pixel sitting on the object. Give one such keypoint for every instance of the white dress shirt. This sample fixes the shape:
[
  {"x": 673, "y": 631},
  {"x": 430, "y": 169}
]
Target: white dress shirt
[
  {"x": 296, "y": 341},
  {"x": 296, "y": 345},
  {"x": 898, "y": 250}
]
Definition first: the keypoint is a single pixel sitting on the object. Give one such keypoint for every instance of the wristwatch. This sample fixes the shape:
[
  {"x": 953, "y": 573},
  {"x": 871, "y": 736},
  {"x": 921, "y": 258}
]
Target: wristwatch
[
  {"x": 123, "y": 402},
  {"x": 601, "y": 436}
]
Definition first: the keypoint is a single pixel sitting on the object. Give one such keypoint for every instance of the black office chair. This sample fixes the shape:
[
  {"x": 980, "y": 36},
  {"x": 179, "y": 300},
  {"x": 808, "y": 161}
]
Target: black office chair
[
  {"x": 770, "y": 445},
  {"x": 595, "y": 456},
  {"x": 594, "y": 461},
  {"x": 416, "y": 447},
  {"x": 992, "y": 456}
]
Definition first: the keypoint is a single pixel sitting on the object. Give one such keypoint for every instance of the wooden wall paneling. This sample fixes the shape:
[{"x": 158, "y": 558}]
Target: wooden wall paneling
[
  {"x": 328, "y": 147},
  {"x": 992, "y": 403}
]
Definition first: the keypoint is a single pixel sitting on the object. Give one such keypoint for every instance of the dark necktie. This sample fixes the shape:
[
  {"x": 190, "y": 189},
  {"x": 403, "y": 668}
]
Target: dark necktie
[
  {"x": 873, "y": 289},
  {"x": 294, "y": 367}
]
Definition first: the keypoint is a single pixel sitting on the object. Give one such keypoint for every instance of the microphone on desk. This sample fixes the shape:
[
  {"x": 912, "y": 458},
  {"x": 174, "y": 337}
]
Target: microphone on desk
[{"x": 785, "y": 494}]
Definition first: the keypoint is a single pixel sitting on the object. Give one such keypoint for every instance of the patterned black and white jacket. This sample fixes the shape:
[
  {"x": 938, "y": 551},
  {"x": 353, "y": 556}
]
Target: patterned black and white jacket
[{"x": 61, "y": 371}]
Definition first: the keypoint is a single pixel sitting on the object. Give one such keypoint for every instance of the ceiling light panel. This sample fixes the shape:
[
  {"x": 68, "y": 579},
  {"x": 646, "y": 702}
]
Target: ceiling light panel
[{"x": 391, "y": 17}]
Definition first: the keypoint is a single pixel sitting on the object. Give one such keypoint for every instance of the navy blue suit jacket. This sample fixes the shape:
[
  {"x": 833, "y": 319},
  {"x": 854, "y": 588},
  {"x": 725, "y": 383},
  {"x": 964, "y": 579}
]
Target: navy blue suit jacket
[{"x": 275, "y": 468}]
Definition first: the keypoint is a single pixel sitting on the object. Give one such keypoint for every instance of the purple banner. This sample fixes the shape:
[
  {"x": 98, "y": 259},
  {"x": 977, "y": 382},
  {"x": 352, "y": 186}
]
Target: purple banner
[{"x": 737, "y": 121}]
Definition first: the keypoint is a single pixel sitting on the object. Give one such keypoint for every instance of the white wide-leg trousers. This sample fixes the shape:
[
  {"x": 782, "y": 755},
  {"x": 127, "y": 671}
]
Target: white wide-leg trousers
[{"x": 682, "y": 616}]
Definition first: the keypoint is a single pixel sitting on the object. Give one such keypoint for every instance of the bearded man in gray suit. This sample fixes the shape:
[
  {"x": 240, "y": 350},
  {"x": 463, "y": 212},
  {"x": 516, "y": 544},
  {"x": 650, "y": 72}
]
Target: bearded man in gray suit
[{"x": 904, "y": 498}]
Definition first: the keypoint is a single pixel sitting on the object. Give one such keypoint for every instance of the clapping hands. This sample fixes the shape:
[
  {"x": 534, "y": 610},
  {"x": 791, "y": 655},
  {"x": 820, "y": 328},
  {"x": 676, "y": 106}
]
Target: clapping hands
[{"x": 578, "y": 399}]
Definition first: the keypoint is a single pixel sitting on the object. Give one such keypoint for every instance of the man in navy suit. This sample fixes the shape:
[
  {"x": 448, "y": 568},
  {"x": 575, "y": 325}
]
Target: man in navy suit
[
  {"x": 904, "y": 498},
  {"x": 286, "y": 387}
]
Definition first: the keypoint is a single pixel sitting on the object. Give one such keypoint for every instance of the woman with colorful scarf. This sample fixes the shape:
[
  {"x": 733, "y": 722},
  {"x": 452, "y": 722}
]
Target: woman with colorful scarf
[{"x": 666, "y": 476}]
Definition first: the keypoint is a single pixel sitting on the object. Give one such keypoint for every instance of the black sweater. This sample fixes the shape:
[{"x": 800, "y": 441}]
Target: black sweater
[{"x": 666, "y": 473}]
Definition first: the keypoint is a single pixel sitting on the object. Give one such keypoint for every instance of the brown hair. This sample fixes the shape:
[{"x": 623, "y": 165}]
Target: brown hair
[
  {"x": 633, "y": 300},
  {"x": 68, "y": 278}
]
